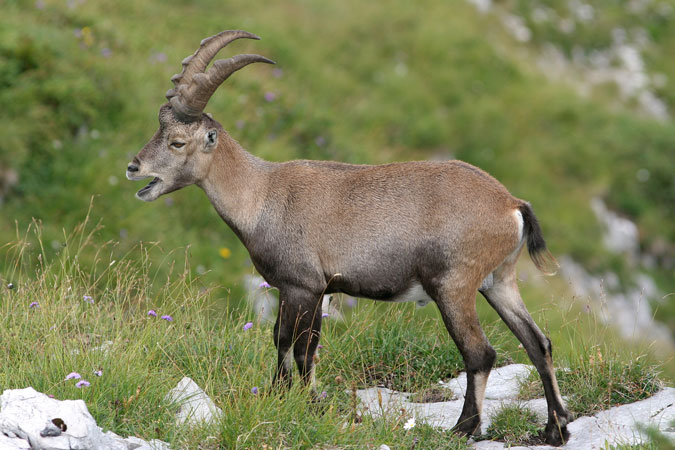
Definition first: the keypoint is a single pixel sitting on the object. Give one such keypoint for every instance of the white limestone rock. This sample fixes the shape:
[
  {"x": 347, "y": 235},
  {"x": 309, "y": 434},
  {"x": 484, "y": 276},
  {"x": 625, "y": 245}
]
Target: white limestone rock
[
  {"x": 503, "y": 382},
  {"x": 13, "y": 443},
  {"x": 621, "y": 235},
  {"x": 27, "y": 422},
  {"x": 618, "y": 425},
  {"x": 25, "y": 413},
  {"x": 195, "y": 405},
  {"x": 134, "y": 443}
]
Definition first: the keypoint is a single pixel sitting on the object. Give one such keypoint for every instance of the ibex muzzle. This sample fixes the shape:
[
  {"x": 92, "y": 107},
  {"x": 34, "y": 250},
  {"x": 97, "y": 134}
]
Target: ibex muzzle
[{"x": 420, "y": 231}]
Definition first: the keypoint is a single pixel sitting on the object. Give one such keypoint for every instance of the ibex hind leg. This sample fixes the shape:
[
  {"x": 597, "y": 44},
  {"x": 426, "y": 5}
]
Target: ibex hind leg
[
  {"x": 505, "y": 298},
  {"x": 458, "y": 310}
]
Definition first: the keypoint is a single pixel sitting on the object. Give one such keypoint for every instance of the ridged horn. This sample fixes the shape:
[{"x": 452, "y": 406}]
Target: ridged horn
[{"x": 194, "y": 87}]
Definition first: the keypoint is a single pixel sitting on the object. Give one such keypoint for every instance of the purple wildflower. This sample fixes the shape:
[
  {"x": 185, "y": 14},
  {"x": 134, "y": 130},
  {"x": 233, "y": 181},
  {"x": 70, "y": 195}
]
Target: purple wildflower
[
  {"x": 88, "y": 299},
  {"x": 264, "y": 285},
  {"x": 270, "y": 96},
  {"x": 82, "y": 383},
  {"x": 73, "y": 376},
  {"x": 106, "y": 52},
  {"x": 254, "y": 391},
  {"x": 319, "y": 346},
  {"x": 158, "y": 57},
  {"x": 320, "y": 141},
  {"x": 98, "y": 373},
  {"x": 168, "y": 318},
  {"x": 323, "y": 395},
  {"x": 152, "y": 313},
  {"x": 324, "y": 315},
  {"x": 34, "y": 305},
  {"x": 248, "y": 326}
]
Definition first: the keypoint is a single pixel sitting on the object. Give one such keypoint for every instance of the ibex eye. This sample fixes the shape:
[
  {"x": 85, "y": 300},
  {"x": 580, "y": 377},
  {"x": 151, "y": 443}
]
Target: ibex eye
[{"x": 178, "y": 144}]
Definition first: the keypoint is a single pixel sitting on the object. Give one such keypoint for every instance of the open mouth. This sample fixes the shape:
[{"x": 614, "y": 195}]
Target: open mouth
[{"x": 148, "y": 187}]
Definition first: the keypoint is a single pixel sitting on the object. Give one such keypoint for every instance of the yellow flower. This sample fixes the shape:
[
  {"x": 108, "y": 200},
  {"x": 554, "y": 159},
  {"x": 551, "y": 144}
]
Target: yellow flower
[
  {"x": 87, "y": 36},
  {"x": 225, "y": 252}
]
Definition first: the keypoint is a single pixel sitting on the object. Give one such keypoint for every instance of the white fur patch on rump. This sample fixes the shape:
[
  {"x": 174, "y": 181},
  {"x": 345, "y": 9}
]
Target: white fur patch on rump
[{"x": 519, "y": 219}]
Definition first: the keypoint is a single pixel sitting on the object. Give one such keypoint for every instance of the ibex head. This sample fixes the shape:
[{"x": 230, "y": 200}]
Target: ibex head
[{"x": 180, "y": 152}]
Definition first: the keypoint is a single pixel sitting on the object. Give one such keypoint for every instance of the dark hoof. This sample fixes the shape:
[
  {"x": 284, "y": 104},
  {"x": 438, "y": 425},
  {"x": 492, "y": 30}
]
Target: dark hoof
[
  {"x": 467, "y": 427},
  {"x": 556, "y": 435}
]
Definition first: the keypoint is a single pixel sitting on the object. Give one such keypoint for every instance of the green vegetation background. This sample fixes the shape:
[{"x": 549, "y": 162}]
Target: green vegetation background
[{"x": 362, "y": 82}]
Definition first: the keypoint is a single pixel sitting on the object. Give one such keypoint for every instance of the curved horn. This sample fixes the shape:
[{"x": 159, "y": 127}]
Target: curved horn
[{"x": 193, "y": 88}]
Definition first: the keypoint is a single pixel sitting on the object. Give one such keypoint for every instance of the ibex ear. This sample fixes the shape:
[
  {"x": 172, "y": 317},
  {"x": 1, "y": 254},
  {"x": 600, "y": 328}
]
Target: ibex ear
[{"x": 210, "y": 140}]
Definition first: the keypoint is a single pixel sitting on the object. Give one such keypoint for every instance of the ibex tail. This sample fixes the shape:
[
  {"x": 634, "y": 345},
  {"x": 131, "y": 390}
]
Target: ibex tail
[{"x": 536, "y": 245}]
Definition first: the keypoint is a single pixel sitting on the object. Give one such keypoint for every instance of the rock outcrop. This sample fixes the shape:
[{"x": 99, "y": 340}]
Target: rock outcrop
[
  {"x": 618, "y": 425},
  {"x": 32, "y": 420}
]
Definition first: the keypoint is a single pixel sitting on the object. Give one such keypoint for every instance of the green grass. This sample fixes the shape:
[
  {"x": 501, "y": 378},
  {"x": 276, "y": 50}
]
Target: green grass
[
  {"x": 597, "y": 380},
  {"x": 144, "y": 356},
  {"x": 656, "y": 441},
  {"x": 396, "y": 349},
  {"x": 594, "y": 371},
  {"x": 515, "y": 425},
  {"x": 644, "y": 446}
]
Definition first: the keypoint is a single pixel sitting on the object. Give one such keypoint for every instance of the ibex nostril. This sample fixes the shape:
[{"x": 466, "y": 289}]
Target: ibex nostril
[{"x": 132, "y": 168}]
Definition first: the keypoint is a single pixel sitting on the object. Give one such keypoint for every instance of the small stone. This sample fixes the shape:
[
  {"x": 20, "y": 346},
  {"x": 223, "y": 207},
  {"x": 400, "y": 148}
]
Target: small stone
[{"x": 195, "y": 406}]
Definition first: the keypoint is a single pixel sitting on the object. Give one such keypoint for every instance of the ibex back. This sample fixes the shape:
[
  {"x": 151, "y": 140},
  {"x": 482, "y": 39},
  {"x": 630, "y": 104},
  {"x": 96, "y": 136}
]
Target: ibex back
[{"x": 419, "y": 231}]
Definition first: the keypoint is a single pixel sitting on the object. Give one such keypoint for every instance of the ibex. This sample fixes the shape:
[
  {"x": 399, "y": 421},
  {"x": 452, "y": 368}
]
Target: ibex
[{"x": 411, "y": 231}]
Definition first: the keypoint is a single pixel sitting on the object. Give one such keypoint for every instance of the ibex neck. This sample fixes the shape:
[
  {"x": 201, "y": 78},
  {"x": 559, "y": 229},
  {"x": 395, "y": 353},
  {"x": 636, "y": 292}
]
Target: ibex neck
[{"x": 236, "y": 184}]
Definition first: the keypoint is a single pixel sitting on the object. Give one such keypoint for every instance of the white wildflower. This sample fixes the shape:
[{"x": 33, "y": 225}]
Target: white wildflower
[{"x": 409, "y": 424}]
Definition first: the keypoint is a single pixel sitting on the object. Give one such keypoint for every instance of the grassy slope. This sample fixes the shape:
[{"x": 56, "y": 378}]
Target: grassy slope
[{"x": 146, "y": 356}]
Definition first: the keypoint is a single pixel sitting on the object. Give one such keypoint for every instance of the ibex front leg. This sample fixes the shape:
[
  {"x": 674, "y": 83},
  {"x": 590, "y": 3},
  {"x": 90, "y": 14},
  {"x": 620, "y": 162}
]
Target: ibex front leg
[
  {"x": 283, "y": 341},
  {"x": 298, "y": 326}
]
